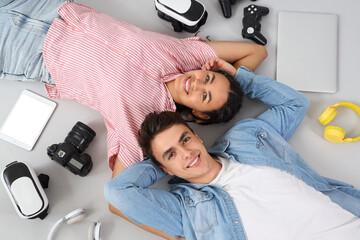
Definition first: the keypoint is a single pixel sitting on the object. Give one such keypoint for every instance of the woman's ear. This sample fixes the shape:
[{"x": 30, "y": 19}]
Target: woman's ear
[{"x": 200, "y": 115}]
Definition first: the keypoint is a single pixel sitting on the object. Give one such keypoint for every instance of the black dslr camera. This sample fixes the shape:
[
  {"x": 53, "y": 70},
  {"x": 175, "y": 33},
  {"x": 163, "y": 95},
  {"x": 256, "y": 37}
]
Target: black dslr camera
[{"x": 70, "y": 153}]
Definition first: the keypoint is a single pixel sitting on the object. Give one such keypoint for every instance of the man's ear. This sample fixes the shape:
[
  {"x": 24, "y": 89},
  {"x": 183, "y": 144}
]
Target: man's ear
[
  {"x": 199, "y": 138},
  {"x": 166, "y": 170},
  {"x": 200, "y": 115}
]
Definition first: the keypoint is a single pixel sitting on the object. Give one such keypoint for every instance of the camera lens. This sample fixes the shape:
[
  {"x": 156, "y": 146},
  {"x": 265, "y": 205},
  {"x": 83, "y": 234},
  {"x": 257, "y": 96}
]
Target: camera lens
[{"x": 80, "y": 136}]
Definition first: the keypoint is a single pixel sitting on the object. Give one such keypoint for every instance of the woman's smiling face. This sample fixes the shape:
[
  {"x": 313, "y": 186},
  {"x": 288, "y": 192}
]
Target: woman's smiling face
[{"x": 200, "y": 90}]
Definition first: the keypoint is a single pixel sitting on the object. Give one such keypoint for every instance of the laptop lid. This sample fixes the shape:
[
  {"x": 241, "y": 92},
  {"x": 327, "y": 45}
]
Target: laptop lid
[{"x": 307, "y": 51}]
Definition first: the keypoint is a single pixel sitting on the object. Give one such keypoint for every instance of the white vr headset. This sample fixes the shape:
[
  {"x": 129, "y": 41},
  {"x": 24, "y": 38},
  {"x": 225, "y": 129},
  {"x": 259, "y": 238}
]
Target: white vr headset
[
  {"x": 25, "y": 190},
  {"x": 188, "y": 15}
]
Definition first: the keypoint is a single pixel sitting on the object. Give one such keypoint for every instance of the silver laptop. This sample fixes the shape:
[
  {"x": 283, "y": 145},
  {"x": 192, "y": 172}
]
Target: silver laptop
[{"x": 307, "y": 51}]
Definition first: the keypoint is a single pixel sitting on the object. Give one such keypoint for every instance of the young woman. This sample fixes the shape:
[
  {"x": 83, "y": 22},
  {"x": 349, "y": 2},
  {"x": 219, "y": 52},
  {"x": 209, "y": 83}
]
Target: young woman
[{"x": 120, "y": 70}]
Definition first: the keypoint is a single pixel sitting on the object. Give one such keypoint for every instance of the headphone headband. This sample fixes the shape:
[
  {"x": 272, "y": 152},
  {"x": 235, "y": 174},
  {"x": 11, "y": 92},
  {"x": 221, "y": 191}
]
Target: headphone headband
[
  {"x": 350, "y": 105},
  {"x": 76, "y": 216}
]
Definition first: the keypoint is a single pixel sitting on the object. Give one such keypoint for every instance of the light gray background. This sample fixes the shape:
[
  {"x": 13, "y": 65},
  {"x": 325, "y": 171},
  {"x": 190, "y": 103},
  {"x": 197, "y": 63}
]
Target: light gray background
[{"x": 68, "y": 192}]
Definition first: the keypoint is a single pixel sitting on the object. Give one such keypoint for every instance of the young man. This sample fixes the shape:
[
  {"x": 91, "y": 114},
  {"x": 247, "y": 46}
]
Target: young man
[
  {"x": 250, "y": 185},
  {"x": 118, "y": 69}
]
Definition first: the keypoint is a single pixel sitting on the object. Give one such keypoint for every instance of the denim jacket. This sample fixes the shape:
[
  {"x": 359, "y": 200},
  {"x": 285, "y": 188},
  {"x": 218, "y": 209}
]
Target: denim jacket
[{"x": 203, "y": 211}]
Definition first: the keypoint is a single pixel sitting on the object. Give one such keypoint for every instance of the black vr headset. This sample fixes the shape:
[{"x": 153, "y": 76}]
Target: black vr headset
[{"x": 188, "y": 15}]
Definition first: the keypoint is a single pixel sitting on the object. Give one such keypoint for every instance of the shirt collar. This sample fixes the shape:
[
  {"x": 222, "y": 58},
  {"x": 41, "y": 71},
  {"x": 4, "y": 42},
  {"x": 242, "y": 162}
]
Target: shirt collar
[{"x": 220, "y": 148}]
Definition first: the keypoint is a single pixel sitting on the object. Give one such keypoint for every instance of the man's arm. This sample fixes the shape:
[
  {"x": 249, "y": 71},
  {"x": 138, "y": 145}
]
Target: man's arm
[
  {"x": 287, "y": 107},
  {"x": 239, "y": 54},
  {"x": 118, "y": 168},
  {"x": 144, "y": 227},
  {"x": 154, "y": 210}
]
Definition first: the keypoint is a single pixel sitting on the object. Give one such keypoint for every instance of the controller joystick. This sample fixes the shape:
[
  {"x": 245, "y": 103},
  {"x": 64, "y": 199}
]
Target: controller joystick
[
  {"x": 251, "y": 23},
  {"x": 226, "y": 7}
]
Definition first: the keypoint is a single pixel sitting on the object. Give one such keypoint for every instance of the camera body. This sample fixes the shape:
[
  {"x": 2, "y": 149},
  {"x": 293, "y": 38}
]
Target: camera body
[{"x": 70, "y": 154}]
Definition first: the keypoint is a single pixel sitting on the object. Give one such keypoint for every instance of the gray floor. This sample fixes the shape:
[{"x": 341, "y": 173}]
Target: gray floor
[{"x": 67, "y": 191}]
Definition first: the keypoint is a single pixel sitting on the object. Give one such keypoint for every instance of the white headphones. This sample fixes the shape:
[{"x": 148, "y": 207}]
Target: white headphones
[{"x": 73, "y": 217}]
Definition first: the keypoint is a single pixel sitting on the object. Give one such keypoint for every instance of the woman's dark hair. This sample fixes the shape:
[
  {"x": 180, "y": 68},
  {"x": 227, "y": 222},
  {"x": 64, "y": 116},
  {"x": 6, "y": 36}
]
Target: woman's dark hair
[
  {"x": 228, "y": 110},
  {"x": 154, "y": 124}
]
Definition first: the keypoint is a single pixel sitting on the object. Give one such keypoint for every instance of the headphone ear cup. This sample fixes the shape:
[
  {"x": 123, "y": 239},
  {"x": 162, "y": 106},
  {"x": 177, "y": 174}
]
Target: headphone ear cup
[
  {"x": 70, "y": 218},
  {"x": 91, "y": 231},
  {"x": 94, "y": 231},
  {"x": 76, "y": 219},
  {"x": 75, "y": 216},
  {"x": 334, "y": 134},
  {"x": 328, "y": 115}
]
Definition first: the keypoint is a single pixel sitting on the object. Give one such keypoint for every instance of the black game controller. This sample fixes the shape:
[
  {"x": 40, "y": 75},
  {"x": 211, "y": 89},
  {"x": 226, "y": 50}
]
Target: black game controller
[
  {"x": 251, "y": 23},
  {"x": 226, "y": 7}
]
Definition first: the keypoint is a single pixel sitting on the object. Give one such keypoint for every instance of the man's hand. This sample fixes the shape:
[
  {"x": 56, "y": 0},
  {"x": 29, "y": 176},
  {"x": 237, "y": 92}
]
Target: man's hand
[{"x": 216, "y": 64}]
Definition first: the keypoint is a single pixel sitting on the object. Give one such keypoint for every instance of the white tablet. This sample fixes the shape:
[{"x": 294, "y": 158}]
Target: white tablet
[
  {"x": 27, "y": 119},
  {"x": 307, "y": 51}
]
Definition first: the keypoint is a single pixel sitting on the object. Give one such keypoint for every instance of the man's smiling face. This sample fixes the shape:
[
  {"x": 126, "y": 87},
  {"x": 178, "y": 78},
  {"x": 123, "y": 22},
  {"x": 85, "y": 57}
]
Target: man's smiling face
[{"x": 182, "y": 153}]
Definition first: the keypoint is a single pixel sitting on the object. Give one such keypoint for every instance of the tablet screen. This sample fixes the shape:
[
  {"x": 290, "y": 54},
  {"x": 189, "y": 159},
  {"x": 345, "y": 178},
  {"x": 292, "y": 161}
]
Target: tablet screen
[{"x": 27, "y": 119}]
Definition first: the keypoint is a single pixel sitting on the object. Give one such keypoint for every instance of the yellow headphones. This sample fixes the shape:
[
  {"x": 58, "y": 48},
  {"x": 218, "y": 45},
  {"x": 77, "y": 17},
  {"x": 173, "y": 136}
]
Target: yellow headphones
[{"x": 333, "y": 133}]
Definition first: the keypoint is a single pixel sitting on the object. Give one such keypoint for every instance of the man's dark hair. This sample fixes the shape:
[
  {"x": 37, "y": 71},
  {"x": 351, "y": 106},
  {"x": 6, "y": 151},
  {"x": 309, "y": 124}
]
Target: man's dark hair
[
  {"x": 154, "y": 124},
  {"x": 229, "y": 109}
]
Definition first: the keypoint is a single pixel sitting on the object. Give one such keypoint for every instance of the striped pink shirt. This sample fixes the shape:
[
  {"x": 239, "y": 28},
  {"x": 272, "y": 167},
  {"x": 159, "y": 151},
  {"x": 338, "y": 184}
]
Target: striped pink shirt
[{"x": 117, "y": 69}]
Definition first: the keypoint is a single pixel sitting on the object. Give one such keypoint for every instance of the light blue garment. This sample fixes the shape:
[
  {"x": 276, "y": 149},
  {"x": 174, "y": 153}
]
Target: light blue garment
[
  {"x": 200, "y": 211},
  {"x": 23, "y": 27}
]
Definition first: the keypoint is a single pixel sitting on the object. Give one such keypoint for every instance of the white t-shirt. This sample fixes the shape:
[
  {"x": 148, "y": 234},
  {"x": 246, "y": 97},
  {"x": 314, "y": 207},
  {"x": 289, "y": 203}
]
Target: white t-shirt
[{"x": 275, "y": 205}]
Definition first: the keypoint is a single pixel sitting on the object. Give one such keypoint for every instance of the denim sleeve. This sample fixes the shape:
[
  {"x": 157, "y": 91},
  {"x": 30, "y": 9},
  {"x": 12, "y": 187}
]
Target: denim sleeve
[
  {"x": 130, "y": 193},
  {"x": 5, "y": 2},
  {"x": 287, "y": 107}
]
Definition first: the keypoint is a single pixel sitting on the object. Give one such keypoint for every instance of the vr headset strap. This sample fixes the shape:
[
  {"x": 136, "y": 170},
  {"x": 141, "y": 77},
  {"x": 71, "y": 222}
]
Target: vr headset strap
[{"x": 43, "y": 214}]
